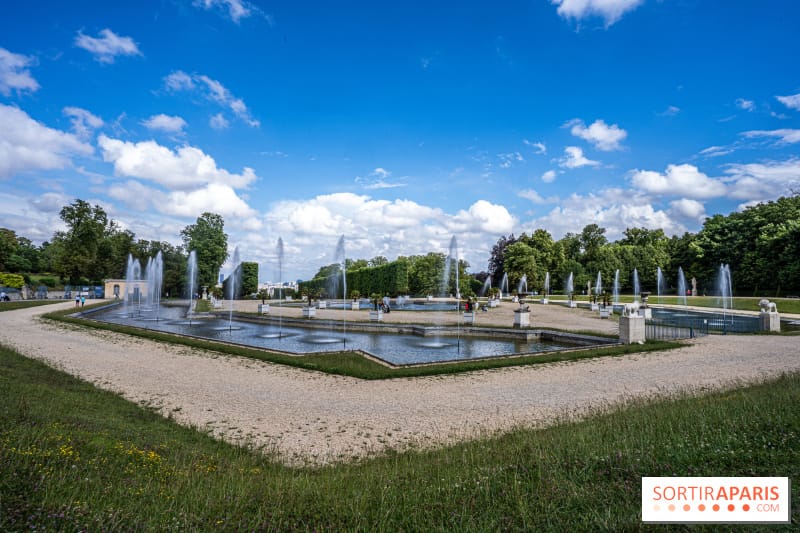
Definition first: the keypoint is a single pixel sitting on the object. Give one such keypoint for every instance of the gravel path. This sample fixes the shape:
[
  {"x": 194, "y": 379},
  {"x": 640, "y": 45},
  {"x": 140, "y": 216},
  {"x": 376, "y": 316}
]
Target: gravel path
[{"x": 312, "y": 417}]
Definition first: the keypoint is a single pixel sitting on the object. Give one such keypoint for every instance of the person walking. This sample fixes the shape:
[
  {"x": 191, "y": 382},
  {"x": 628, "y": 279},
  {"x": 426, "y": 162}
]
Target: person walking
[
  {"x": 83, "y": 300},
  {"x": 77, "y": 300}
]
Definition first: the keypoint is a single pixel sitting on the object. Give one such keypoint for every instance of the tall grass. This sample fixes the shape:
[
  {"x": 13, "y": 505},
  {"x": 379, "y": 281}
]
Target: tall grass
[{"x": 73, "y": 457}]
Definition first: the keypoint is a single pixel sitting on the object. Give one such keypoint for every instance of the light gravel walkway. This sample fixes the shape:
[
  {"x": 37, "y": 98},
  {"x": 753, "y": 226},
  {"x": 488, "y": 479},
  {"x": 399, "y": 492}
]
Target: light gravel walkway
[{"x": 313, "y": 417}]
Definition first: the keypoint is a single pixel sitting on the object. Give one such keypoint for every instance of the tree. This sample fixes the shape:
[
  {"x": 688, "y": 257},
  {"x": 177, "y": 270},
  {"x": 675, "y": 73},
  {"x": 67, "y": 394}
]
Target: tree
[
  {"x": 520, "y": 261},
  {"x": 208, "y": 239},
  {"x": 378, "y": 260},
  {"x": 249, "y": 277},
  {"x": 496, "y": 265},
  {"x": 592, "y": 238},
  {"x": 76, "y": 253},
  {"x": 8, "y": 245}
]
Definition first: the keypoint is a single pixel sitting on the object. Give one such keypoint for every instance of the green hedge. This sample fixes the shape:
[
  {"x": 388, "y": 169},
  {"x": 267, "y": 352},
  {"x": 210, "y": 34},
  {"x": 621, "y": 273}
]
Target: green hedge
[
  {"x": 15, "y": 281},
  {"x": 391, "y": 278}
]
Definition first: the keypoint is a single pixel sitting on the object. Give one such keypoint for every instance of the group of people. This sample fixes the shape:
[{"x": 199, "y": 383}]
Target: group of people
[
  {"x": 80, "y": 300},
  {"x": 383, "y": 305},
  {"x": 4, "y": 297}
]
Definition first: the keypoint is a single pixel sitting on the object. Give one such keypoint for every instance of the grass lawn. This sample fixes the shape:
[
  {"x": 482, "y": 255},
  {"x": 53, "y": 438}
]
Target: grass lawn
[
  {"x": 74, "y": 457},
  {"x": 22, "y": 304},
  {"x": 742, "y": 303}
]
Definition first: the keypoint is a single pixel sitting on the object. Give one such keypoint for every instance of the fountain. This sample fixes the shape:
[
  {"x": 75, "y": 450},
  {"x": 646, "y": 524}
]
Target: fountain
[
  {"x": 191, "y": 275},
  {"x": 133, "y": 276},
  {"x": 523, "y": 283},
  {"x": 546, "y": 287},
  {"x": 154, "y": 275},
  {"x": 449, "y": 263},
  {"x": 660, "y": 285},
  {"x": 232, "y": 286},
  {"x": 570, "y": 289},
  {"x": 487, "y": 284},
  {"x": 279, "y": 254},
  {"x": 681, "y": 286},
  {"x": 637, "y": 290},
  {"x": 615, "y": 292},
  {"x": 504, "y": 284},
  {"x": 339, "y": 257},
  {"x": 724, "y": 288}
]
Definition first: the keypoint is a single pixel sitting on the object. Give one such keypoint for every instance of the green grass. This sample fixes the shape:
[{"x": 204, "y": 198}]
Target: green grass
[
  {"x": 73, "y": 457},
  {"x": 355, "y": 365},
  {"x": 23, "y": 304},
  {"x": 742, "y": 303}
]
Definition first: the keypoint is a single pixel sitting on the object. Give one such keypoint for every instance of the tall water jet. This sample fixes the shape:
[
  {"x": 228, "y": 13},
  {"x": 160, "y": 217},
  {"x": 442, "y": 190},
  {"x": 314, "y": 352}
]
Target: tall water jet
[
  {"x": 504, "y": 285},
  {"x": 598, "y": 286},
  {"x": 725, "y": 288},
  {"x": 279, "y": 255},
  {"x": 637, "y": 289},
  {"x": 569, "y": 285},
  {"x": 155, "y": 275},
  {"x": 681, "y": 286},
  {"x": 487, "y": 284},
  {"x": 450, "y": 262},
  {"x": 523, "y": 284},
  {"x": 546, "y": 284},
  {"x": 660, "y": 285},
  {"x": 133, "y": 295},
  {"x": 232, "y": 286},
  {"x": 339, "y": 257},
  {"x": 615, "y": 290},
  {"x": 191, "y": 275}
]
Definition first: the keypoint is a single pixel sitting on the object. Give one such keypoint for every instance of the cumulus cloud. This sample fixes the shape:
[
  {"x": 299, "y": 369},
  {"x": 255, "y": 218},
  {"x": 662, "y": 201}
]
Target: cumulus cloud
[
  {"x": 107, "y": 46},
  {"x": 599, "y": 134},
  {"x": 186, "y": 168},
  {"x": 614, "y": 209},
  {"x": 792, "y": 102},
  {"x": 784, "y": 136},
  {"x": 166, "y": 123},
  {"x": 678, "y": 180},
  {"x": 549, "y": 176},
  {"x": 485, "y": 217},
  {"x": 535, "y": 197},
  {"x": 574, "y": 158},
  {"x": 763, "y": 181},
  {"x": 219, "y": 122},
  {"x": 688, "y": 209},
  {"x": 378, "y": 179},
  {"x": 212, "y": 90},
  {"x": 14, "y": 73},
  {"x": 83, "y": 121},
  {"x": 27, "y": 145},
  {"x": 609, "y": 10}
]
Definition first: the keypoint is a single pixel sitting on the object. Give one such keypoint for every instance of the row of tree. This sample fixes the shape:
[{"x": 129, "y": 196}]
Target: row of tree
[
  {"x": 760, "y": 243},
  {"x": 93, "y": 248}
]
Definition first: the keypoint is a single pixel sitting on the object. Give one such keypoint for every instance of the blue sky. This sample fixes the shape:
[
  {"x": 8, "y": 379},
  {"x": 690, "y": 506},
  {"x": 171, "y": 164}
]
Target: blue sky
[{"x": 396, "y": 125}]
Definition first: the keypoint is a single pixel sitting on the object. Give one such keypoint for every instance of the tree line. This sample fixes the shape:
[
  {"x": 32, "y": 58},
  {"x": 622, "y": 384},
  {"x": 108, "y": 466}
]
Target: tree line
[
  {"x": 94, "y": 247},
  {"x": 760, "y": 243}
]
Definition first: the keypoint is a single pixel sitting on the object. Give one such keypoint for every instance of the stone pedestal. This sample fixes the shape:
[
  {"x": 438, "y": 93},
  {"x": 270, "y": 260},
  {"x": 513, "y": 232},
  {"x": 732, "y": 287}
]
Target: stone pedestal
[
  {"x": 322, "y": 304},
  {"x": 376, "y": 316},
  {"x": 492, "y": 303},
  {"x": 354, "y": 305},
  {"x": 572, "y": 304},
  {"x": 594, "y": 307},
  {"x": 263, "y": 309},
  {"x": 309, "y": 312},
  {"x": 646, "y": 312},
  {"x": 522, "y": 319},
  {"x": 631, "y": 329},
  {"x": 605, "y": 312},
  {"x": 770, "y": 321},
  {"x": 544, "y": 301},
  {"x": 469, "y": 318}
]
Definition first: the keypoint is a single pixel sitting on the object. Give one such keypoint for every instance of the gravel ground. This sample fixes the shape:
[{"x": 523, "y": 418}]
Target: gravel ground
[{"x": 311, "y": 417}]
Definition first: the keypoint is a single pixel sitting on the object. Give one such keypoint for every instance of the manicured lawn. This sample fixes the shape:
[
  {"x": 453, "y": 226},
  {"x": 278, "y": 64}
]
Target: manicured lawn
[
  {"x": 73, "y": 457},
  {"x": 23, "y": 304}
]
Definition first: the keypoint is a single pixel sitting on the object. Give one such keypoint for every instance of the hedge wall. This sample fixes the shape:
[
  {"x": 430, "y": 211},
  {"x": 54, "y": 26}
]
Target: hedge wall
[{"x": 391, "y": 278}]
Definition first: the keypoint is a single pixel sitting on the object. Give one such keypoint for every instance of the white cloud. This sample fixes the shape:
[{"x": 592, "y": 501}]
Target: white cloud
[
  {"x": 215, "y": 197},
  {"x": 785, "y": 136},
  {"x": 486, "y": 217},
  {"x": 508, "y": 160},
  {"x": 600, "y": 134},
  {"x": 747, "y": 105},
  {"x": 187, "y": 168},
  {"x": 538, "y": 147},
  {"x": 688, "y": 209},
  {"x": 377, "y": 179},
  {"x": 610, "y": 10},
  {"x": 763, "y": 181},
  {"x": 219, "y": 122},
  {"x": 237, "y": 9},
  {"x": 535, "y": 197},
  {"x": 573, "y": 158},
  {"x": 549, "y": 176},
  {"x": 614, "y": 209},
  {"x": 27, "y": 145},
  {"x": 792, "y": 102},
  {"x": 213, "y": 90},
  {"x": 108, "y": 46},
  {"x": 716, "y": 151},
  {"x": 670, "y": 111},
  {"x": 14, "y": 74},
  {"x": 167, "y": 123},
  {"x": 678, "y": 180},
  {"x": 83, "y": 121}
]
